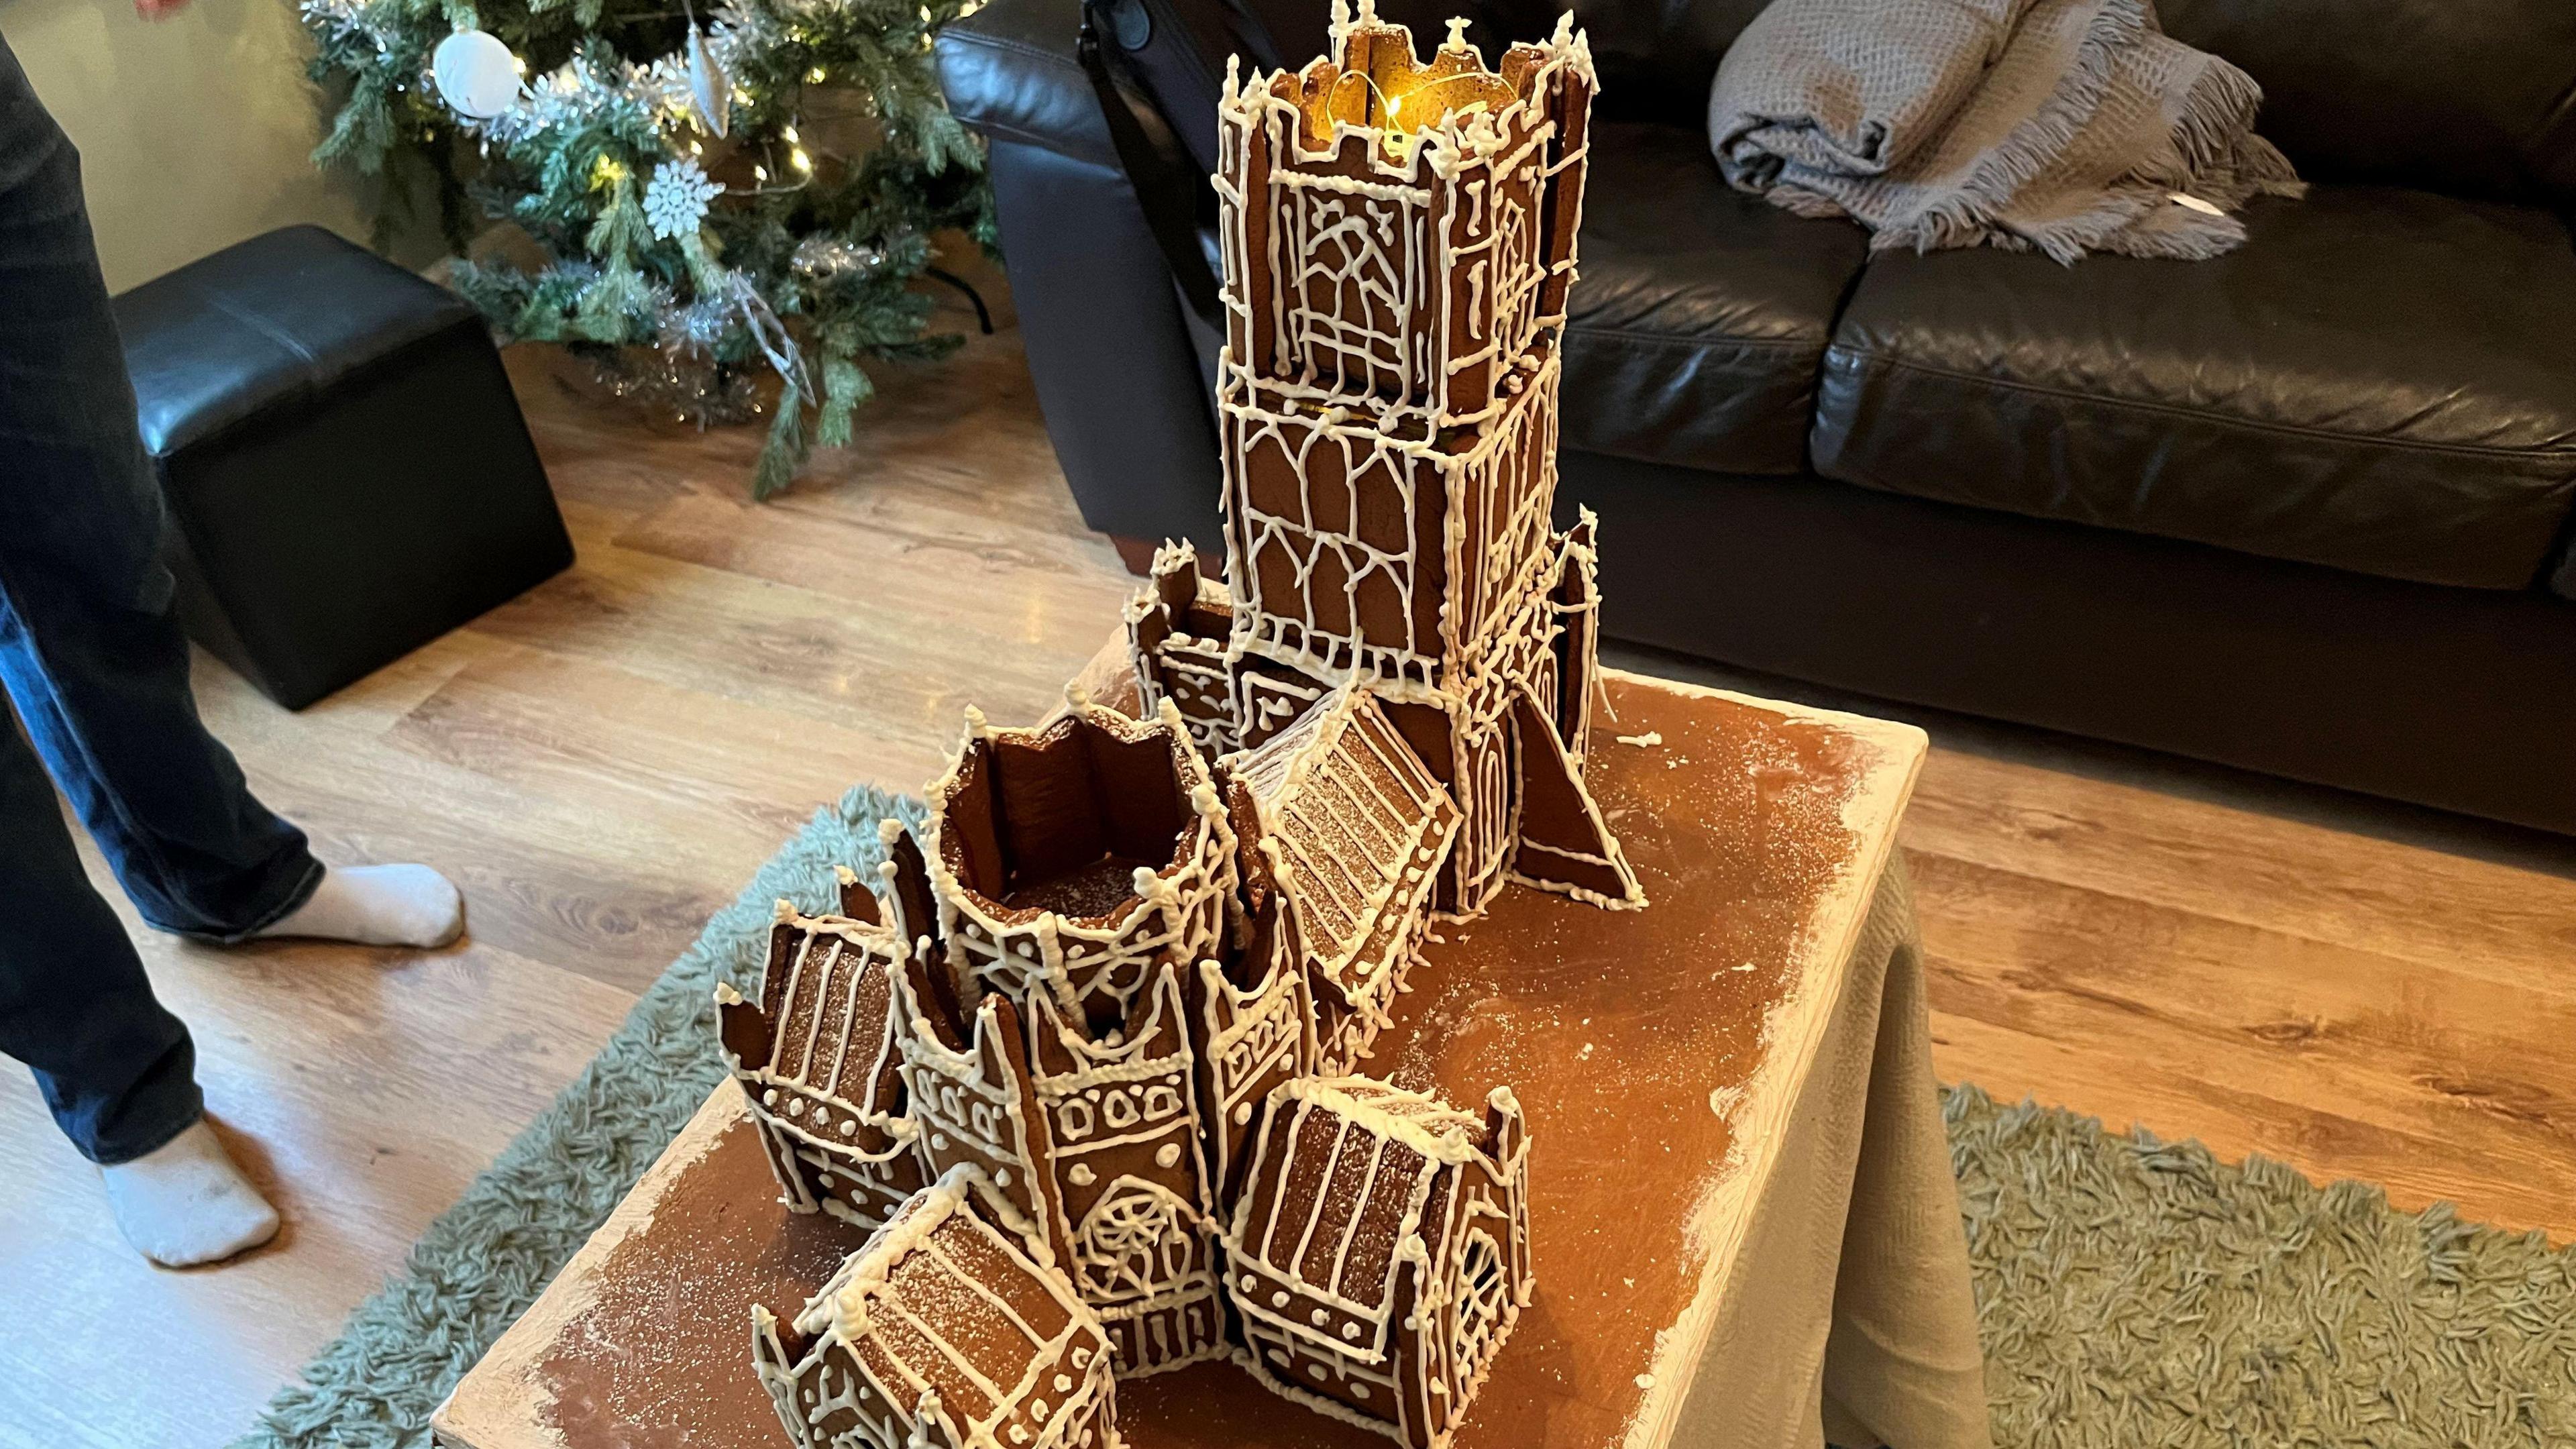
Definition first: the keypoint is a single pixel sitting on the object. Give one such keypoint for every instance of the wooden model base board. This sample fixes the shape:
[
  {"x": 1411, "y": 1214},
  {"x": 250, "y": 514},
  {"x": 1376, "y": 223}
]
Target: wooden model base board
[{"x": 1635, "y": 1040}]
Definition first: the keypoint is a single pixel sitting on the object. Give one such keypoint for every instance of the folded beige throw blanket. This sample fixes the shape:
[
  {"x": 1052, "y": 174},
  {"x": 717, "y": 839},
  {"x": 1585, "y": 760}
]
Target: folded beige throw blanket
[{"x": 2069, "y": 126}]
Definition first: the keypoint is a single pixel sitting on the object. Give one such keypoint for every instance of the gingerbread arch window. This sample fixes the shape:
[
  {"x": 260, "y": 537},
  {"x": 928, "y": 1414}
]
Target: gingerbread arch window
[
  {"x": 1484, "y": 1292},
  {"x": 1136, "y": 1240}
]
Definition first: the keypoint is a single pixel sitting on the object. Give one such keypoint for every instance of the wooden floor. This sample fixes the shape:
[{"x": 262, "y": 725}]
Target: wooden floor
[{"x": 2359, "y": 990}]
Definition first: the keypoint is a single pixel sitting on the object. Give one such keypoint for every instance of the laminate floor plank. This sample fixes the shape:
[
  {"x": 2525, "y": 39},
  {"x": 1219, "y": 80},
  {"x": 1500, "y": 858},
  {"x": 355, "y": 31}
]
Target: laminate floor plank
[
  {"x": 2325, "y": 1032},
  {"x": 2290, "y": 876}
]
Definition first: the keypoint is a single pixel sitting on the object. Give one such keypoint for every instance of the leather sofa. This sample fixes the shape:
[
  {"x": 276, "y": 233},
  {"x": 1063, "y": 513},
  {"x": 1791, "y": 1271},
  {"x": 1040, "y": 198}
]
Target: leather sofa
[{"x": 2304, "y": 509}]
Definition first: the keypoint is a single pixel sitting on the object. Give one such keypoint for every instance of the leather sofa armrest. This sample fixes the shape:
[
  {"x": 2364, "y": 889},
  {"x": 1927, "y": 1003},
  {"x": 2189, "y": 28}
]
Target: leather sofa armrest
[{"x": 1010, "y": 73}]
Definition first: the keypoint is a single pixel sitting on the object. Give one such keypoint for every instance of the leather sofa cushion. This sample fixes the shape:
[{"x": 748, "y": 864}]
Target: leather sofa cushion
[
  {"x": 2465, "y": 97},
  {"x": 1009, "y": 71},
  {"x": 1699, "y": 316},
  {"x": 2378, "y": 380}
]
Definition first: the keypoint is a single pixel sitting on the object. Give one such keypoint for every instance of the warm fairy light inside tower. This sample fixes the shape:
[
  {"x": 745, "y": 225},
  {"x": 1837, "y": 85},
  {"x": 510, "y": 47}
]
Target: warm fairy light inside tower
[
  {"x": 1378, "y": 85},
  {"x": 1427, "y": 100}
]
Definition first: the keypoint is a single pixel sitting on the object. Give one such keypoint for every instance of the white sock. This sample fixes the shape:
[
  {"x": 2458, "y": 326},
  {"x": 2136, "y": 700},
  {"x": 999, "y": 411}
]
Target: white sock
[
  {"x": 379, "y": 905},
  {"x": 186, "y": 1203}
]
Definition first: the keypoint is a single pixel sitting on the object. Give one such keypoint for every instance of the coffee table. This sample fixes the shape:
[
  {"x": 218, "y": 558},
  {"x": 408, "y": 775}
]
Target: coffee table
[{"x": 1706, "y": 1082}]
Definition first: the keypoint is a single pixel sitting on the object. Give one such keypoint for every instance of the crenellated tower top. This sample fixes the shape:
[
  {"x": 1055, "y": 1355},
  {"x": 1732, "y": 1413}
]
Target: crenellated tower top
[{"x": 1399, "y": 232}]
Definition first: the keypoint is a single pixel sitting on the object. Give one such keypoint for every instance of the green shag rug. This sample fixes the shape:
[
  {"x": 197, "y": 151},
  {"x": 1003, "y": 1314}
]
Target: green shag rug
[{"x": 2131, "y": 1291}]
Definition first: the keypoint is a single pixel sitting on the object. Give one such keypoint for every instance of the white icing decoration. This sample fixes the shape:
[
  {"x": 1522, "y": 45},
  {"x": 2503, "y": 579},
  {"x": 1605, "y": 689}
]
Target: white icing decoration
[
  {"x": 1468, "y": 1286},
  {"x": 847, "y": 1311}
]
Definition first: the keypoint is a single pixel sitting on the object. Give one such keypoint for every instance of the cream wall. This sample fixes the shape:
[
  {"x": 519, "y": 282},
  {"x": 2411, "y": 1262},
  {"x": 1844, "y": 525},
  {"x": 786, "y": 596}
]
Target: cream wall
[{"x": 194, "y": 132}]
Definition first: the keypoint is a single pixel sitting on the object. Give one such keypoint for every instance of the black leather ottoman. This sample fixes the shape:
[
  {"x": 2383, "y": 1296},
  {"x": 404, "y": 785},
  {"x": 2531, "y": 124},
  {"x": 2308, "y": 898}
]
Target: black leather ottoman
[{"x": 345, "y": 463}]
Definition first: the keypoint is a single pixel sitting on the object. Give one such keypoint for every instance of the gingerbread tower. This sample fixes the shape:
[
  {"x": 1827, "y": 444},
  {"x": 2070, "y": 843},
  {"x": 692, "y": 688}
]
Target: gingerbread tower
[
  {"x": 1072, "y": 859},
  {"x": 1109, "y": 1012},
  {"x": 1399, "y": 237}
]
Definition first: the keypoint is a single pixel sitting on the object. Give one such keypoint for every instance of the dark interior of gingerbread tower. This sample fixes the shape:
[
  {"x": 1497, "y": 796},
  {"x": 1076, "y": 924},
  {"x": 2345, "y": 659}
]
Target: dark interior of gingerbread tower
[{"x": 1063, "y": 824}]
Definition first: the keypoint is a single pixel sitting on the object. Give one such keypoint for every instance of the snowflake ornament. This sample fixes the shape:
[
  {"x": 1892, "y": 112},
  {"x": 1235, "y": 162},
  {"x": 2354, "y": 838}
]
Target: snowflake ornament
[{"x": 675, "y": 200}]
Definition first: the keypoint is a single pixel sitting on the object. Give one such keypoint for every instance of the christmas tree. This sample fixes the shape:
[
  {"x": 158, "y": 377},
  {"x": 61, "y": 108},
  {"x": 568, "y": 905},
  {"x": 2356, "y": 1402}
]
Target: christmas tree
[{"x": 687, "y": 235}]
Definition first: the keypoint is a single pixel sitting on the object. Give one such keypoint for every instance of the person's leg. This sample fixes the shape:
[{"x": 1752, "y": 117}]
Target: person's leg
[
  {"x": 116, "y": 1068},
  {"x": 91, "y": 654},
  {"x": 89, "y": 649},
  {"x": 105, "y": 695}
]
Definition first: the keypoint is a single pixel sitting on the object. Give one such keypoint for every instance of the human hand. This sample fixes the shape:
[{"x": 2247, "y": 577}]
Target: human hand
[{"x": 159, "y": 9}]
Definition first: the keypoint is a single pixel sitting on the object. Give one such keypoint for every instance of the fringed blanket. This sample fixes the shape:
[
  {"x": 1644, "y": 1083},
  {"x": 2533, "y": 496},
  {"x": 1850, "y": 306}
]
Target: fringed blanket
[{"x": 2069, "y": 126}]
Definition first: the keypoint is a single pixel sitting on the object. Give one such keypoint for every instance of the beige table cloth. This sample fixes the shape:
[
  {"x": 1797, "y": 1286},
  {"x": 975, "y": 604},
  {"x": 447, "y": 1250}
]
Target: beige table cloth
[{"x": 1849, "y": 1316}]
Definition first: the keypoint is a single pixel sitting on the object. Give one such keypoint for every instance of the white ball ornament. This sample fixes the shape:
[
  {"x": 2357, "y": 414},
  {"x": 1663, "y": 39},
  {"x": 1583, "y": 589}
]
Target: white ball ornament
[{"x": 476, "y": 74}]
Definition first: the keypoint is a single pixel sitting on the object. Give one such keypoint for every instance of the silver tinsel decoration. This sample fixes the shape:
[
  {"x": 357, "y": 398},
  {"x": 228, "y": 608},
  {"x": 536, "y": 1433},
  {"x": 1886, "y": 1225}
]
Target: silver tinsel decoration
[
  {"x": 667, "y": 88},
  {"x": 343, "y": 20},
  {"x": 828, "y": 259},
  {"x": 678, "y": 376},
  {"x": 676, "y": 383}
]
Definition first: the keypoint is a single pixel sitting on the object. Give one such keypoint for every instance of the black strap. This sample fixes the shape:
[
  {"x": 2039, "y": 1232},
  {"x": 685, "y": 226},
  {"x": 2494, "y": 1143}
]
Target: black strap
[{"x": 1176, "y": 198}]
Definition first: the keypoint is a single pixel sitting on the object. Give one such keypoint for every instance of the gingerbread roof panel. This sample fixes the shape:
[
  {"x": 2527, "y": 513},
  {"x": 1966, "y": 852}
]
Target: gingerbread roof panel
[
  {"x": 948, "y": 1317},
  {"x": 1346, "y": 1174},
  {"x": 820, "y": 1034},
  {"x": 1357, "y": 823}
]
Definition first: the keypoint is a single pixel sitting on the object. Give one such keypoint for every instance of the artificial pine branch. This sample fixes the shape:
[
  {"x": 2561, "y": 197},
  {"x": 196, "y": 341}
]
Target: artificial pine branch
[
  {"x": 803, "y": 270},
  {"x": 785, "y": 449}
]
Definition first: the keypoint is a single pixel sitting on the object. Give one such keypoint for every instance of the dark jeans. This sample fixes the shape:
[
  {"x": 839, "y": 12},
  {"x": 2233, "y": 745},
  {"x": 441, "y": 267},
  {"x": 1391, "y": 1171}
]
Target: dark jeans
[{"x": 98, "y": 672}]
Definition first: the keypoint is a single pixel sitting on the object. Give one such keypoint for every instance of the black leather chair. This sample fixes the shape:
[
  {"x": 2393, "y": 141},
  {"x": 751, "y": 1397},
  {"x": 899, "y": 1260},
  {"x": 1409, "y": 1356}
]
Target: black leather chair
[{"x": 2304, "y": 509}]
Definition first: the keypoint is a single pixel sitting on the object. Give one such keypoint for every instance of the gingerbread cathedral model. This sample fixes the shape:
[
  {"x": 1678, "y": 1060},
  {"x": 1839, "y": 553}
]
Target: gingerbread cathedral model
[{"x": 1082, "y": 1060}]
